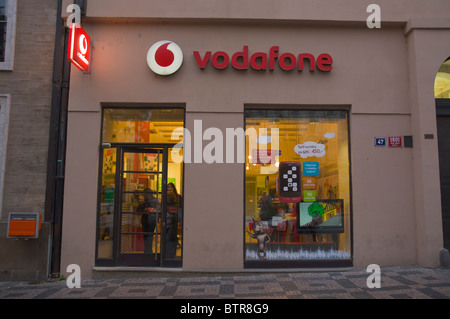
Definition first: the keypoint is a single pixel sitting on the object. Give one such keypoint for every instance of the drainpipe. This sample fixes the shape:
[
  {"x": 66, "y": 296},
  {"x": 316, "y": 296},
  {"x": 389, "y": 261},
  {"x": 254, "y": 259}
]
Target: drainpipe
[{"x": 57, "y": 142}]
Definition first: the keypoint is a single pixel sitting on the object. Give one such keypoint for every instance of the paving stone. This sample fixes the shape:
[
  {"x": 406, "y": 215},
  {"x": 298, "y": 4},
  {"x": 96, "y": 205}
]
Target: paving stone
[{"x": 396, "y": 283}]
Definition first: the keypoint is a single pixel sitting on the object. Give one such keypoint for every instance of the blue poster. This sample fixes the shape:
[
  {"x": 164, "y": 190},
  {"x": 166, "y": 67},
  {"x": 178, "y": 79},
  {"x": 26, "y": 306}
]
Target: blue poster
[{"x": 310, "y": 168}]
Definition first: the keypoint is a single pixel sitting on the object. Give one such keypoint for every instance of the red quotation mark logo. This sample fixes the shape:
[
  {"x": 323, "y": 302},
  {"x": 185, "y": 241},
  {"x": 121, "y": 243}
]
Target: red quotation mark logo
[{"x": 165, "y": 57}]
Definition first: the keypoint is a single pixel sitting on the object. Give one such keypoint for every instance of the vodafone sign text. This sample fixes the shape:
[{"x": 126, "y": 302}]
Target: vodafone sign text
[{"x": 242, "y": 60}]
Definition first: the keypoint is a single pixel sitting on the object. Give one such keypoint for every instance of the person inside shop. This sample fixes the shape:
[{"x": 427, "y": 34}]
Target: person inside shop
[
  {"x": 148, "y": 219},
  {"x": 174, "y": 206},
  {"x": 269, "y": 206},
  {"x": 136, "y": 199}
]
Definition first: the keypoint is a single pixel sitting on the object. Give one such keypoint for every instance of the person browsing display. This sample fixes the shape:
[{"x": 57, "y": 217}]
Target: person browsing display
[
  {"x": 147, "y": 206},
  {"x": 174, "y": 204}
]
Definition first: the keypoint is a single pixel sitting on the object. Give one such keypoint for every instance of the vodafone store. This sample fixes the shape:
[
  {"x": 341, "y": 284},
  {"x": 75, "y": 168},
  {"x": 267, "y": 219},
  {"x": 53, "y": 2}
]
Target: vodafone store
[{"x": 224, "y": 139}]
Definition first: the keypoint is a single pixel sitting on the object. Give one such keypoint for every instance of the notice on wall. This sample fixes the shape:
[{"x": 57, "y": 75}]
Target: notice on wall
[
  {"x": 395, "y": 141},
  {"x": 380, "y": 141}
]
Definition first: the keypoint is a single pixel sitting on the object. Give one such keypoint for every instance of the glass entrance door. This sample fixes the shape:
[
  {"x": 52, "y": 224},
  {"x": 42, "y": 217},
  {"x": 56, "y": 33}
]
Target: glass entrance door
[
  {"x": 140, "y": 188},
  {"x": 149, "y": 216}
]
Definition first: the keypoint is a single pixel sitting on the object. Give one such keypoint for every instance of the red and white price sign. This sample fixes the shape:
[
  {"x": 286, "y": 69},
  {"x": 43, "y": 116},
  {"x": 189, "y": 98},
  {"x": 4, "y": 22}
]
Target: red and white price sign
[{"x": 395, "y": 141}]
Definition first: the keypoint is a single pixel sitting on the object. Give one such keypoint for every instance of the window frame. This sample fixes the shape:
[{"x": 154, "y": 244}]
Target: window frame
[
  {"x": 9, "y": 48},
  {"x": 5, "y": 102},
  {"x": 113, "y": 260},
  {"x": 313, "y": 263}
]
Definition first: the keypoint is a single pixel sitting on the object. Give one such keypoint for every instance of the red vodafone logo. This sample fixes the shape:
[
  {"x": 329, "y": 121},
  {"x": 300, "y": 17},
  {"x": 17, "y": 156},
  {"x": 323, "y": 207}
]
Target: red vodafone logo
[
  {"x": 165, "y": 57},
  {"x": 243, "y": 60},
  {"x": 79, "y": 48}
]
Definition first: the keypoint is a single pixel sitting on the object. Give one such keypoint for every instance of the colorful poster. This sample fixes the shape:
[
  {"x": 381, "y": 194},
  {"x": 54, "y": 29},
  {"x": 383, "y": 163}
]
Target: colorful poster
[
  {"x": 150, "y": 162},
  {"x": 309, "y": 196},
  {"x": 310, "y": 149},
  {"x": 309, "y": 183},
  {"x": 109, "y": 162},
  {"x": 310, "y": 168}
]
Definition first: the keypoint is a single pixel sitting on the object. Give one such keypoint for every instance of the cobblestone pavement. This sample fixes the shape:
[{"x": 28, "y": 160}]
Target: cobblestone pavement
[{"x": 396, "y": 283}]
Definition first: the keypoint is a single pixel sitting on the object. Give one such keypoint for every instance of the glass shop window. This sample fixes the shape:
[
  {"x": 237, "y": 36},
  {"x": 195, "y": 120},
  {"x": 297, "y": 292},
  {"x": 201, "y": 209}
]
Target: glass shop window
[
  {"x": 442, "y": 81},
  {"x": 141, "y": 125},
  {"x": 297, "y": 186}
]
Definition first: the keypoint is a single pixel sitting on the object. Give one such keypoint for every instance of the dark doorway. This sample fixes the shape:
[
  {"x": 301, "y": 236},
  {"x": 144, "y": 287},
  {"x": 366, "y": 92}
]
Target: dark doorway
[{"x": 443, "y": 129}]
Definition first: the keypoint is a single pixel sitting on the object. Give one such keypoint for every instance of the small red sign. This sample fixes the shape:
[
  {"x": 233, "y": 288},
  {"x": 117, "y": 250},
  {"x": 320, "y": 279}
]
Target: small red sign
[
  {"x": 395, "y": 141},
  {"x": 79, "y": 48},
  {"x": 263, "y": 156}
]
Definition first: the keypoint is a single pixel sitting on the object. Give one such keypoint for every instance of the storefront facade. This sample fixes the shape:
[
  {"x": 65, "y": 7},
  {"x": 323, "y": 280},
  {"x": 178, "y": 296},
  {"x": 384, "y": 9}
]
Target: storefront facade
[{"x": 319, "y": 90}]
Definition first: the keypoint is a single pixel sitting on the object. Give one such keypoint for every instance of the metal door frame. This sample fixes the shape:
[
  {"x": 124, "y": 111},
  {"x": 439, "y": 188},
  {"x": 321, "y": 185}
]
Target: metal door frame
[
  {"x": 141, "y": 260},
  {"x": 442, "y": 110}
]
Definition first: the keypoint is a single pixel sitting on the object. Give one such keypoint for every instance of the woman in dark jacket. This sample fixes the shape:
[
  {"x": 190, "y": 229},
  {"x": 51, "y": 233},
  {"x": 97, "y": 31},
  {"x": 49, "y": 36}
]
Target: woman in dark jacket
[
  {"x": 173, "y": 208},
  {"x": 148, "y": 219}
]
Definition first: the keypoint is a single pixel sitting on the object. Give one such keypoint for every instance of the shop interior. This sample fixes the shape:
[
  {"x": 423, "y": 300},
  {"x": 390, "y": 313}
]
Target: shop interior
[{"x": 310, "y": 138}]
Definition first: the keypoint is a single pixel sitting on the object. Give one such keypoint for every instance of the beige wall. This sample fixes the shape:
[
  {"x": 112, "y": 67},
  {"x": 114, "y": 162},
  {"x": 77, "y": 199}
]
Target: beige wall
[
  {"x": 384, "y": 76},
  {"x": 285, "y": 10},
  {"x": 384, "y": 230},
  {"x": 424, "y": 64},
  {"x": 80, "y": 201},
  {"x": 213, "y": 205},
  {"x": 366, "y": 62}
]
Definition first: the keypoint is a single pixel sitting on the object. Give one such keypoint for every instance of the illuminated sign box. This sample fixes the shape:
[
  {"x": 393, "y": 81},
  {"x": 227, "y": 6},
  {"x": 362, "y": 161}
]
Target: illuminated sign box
[{"x": 79, "y": 48}]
